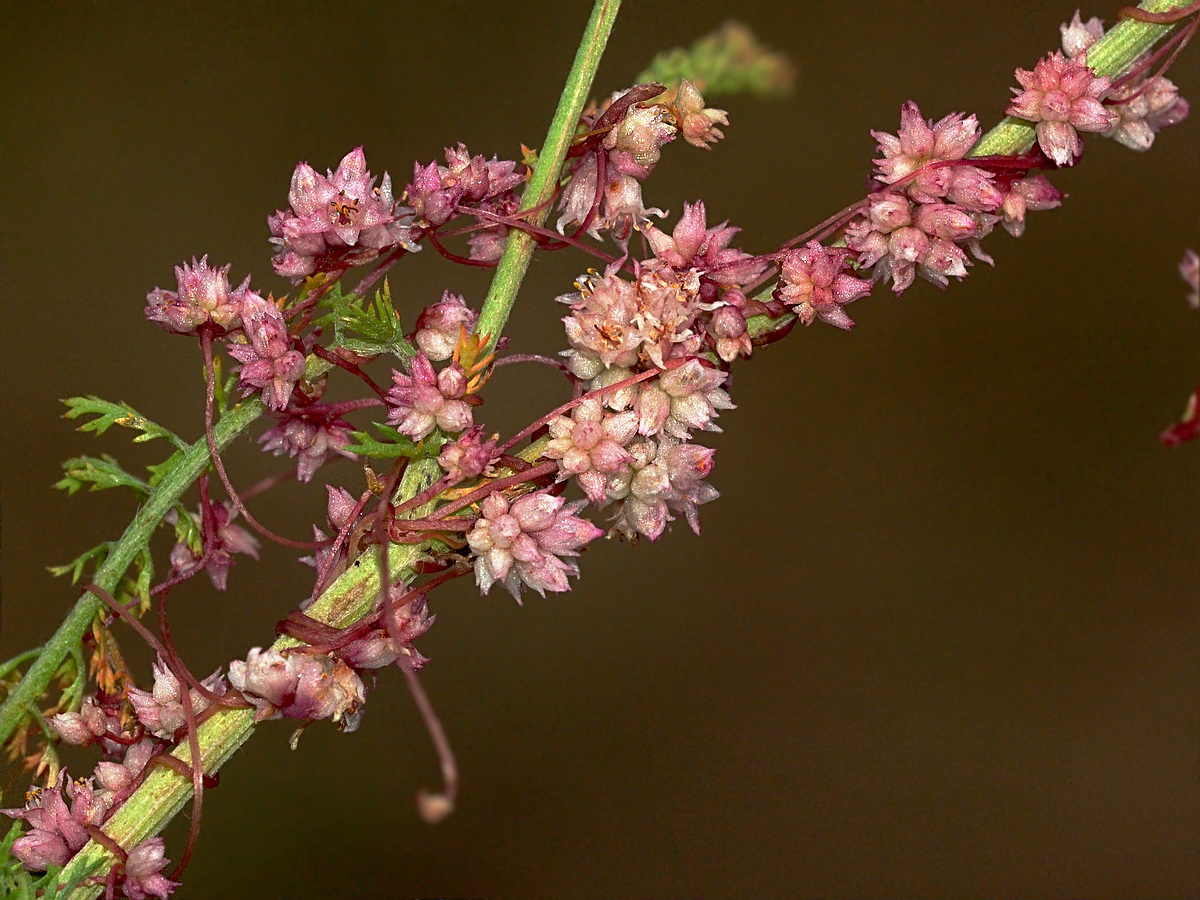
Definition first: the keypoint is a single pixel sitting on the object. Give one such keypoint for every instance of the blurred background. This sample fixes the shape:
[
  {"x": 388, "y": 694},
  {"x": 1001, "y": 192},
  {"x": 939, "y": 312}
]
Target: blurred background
[{"x": 938, "y": 637}]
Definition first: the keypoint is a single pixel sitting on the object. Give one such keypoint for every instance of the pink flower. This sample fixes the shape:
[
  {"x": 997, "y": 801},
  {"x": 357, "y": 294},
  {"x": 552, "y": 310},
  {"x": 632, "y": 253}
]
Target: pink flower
[
  {"x": 439, "y": 326},
  {"x": 468, "y": 456},
  {"x": 1078, "y": 36},
  {"x": 311, "y": 435},
  {"x": 160, "y": 710},
  {"x": 299, "y": 686},
  {"x": 666, "y": 475},
  {"x": 918, "y": 144},
  {"x": 901, "y": 239},
  {"x": 698, "y": 124},
  {"x": 227, "y": 539},
  {"x": 428, "y": 399},
  {"x": 815, "y": 281},
  {"x": 642, "y": 132},
  {"x": 1063, "y": 97},
  {"x": 203, "y": 297},
  {"x": 57, "y": 832},
  {"x": 338, "y": 220},
  {"x": 143, "y": 871},
  {"x": 268, "y": 362},
  {"x": 590, "y": 444},
  {"x": 1143, "y": 109},
  {"x": 437, "y": 192},
  {"x": 377, "y": 649},
  {"x": 1033, "y": 192},
  {"x": 86, "y": 726},
  {"x": 524, "y": 542},
  {"x": 691, "y": 245}
]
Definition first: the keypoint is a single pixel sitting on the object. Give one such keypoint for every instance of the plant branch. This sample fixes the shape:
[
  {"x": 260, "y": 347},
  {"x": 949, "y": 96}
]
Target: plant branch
[
  {"x": 165, "y": 791},
  {"x": 1111, "y": 55},
  {"x": 1118, "y": 50}
]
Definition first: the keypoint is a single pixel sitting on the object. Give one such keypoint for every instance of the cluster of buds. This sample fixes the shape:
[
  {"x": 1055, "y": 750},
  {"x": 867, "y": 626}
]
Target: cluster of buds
[
  {"x": 338, "y": 220},
  {"x": 621, "y": 144},
  {"x": 57, "y": 831},
  {"x": 467, "y": 183}
]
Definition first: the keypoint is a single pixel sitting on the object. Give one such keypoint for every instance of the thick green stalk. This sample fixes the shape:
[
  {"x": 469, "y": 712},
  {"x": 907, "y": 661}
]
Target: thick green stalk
[
  {"x": 165, "y": 791},
  {"x": 518, "y": 250},
  {"x": 36, "y": 680}
]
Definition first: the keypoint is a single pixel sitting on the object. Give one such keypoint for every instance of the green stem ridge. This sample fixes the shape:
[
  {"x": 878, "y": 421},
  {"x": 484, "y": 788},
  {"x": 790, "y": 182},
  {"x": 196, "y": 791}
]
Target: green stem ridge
[
  {"x": 190, "y": 467},
  {"x": 518, "y": 250}
]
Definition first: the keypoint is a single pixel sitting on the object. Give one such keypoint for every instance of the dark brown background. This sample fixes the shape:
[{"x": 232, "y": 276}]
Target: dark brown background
[{"x": 939, "y": 635}]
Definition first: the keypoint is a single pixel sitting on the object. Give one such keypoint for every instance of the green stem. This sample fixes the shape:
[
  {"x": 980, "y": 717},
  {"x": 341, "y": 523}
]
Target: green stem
[
  {"x": 165, "y": 791},
  {"x": 518, "y": 250},
  {"x": 24, "y": 695}
]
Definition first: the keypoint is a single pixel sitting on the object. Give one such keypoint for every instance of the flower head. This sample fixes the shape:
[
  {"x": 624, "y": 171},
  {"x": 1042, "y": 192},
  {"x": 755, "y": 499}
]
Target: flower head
[
  {"x": 299, "y": 686},
  {"x": 221, "y": 542},
  {"x": 269, "y": 363},
  {"x": 1063, "y": 97},
  {"x": 57, "y": 831},
  {"x": 1143, "y": 109},
  {"x": 427, "y": 399},
  {"x": 311, "y": 435},
  {"x": 1078, "y": 35},
  {"x": 439, "y": 326},
  {"x": 161, "y": 710},
  {"x": 338, "y": 220},
  {"x": 468, "y": 456},
  {"x": 143, "y": 871},
  {"x": 203, "y": 297},
  {"x": 526, "y": 542},
  {"x": 692, "y": 245},
  {"x": 697, "y": 123},
  {"x": 590, "y": 444},
  {"x": 666, "y": 475},
  {"x": 815, "y": 281}
]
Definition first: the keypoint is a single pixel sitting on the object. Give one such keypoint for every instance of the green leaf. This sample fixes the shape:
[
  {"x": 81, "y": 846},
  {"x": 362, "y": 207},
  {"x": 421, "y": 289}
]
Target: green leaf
[
  {"x": 161, "y": 470},
  {"x": 101, "y": 473},
  {"x": 96, "y": 555},
  {"x": 108, "y": 414},
  {"x": 730, "y": 60},
  {"x": 395, "y": 444},
  {"x": 369, "y": 327}
]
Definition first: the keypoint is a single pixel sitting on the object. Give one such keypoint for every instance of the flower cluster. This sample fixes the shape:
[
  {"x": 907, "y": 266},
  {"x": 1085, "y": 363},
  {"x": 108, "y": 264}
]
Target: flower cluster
[
  {"x": 428, "y": 399},
  {"x": 438, "y": 193},
  {"x": 523, "y": 543},
  {"x": 62, "y": 816},
  {"x": 1142, "y": 106},
  {"x": 604, "y": 192},
  {"x": 203, "y": 299},
  {"x": 651, "y": 355},
  {"x": 306, "y": 686},
  {"x": 220, "y": 539},
  {"x": 338, "y": 220},
  {"x": 931, "y": 203}
]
